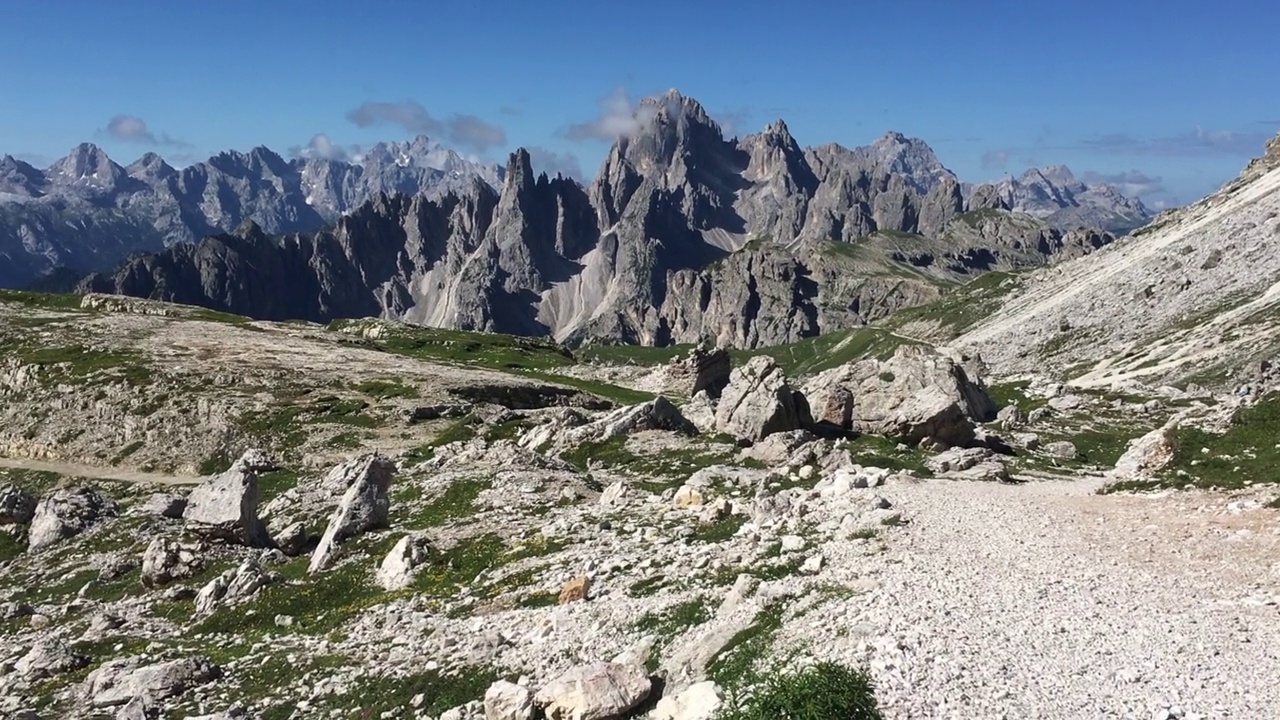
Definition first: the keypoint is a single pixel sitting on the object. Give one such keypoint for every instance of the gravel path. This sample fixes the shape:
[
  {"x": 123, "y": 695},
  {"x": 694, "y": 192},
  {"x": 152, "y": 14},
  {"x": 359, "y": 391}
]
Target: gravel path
[
  {"x": 1046, "y": 600},
  {"x": 95, "y": 471}
]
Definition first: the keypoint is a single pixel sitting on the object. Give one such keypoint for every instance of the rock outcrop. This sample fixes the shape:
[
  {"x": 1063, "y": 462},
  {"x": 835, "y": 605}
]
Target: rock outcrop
[
  {"x": 758, "y": 402},
  {"x": 119, "y": 681},
  {"x": 596, "y": 691},
  {"x": 508, "y": 701},
  {"x": 363, "y": 507},
  {"x": 916, "y": 394},
  {"x": 401, "y": 564},
  {"x": 17, "y": 506},
  {"x": 166, "y": 560},
  {"x": 49, "y": 657},
  {"x": 225, "y": 507},
  {"x": 66, "y": 513},
  {"x": 233, "y": 586}
]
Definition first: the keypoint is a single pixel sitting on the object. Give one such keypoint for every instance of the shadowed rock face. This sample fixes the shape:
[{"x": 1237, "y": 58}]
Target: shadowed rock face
[{"x": 683, "y": 236}]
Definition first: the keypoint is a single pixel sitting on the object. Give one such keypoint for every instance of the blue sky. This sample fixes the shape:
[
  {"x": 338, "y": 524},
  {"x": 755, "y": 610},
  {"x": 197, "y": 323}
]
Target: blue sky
[{"x": 1170, "y": 98}]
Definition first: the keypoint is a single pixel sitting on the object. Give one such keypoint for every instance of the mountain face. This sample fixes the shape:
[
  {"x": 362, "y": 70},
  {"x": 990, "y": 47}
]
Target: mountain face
[
  {"x": 1053, "y": 194},
  {"x": 683, "y": 236},
  {"x": 85, "y": 211},
  {"x": 1193, "y": 297}
]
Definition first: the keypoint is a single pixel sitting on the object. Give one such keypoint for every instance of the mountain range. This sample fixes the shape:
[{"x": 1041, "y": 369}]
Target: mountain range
[
  {"x": 87, "y": 212},
  {"x": 683, "y": 236}
]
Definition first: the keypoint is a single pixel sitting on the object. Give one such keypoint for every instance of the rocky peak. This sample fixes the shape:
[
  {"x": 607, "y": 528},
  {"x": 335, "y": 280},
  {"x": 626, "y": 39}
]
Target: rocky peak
[
  {"x": 87, "y": 165},
  {"x": 151, "y": 167},
  {"x": 19, "y": 178},
  {"x": 519, "y": 174},
  {"x": 896, "y": 154}
]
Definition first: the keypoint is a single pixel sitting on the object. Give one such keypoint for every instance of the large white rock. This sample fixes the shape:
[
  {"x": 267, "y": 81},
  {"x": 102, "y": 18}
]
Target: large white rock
[
  {"x": 166, "y": 560},
  {"x": 233, "y": 586},
  {"x": 225, "y": 507},
  {"x": 48, "y": 657},
  {"x": 365, "y": 505},
  {"x": 759, "y": 402},
  {"x": 918, "y": 393},
  {"x": 700, "y": 701},
  {"x": 596, "y": 691},
  {"x": 119, "y": 681},
  {"x": 508, "y": 701},
  {"x": 1146, "y": 455},
  {"x": 67, "y": 513},
  {"x": 401, "y": 564}
]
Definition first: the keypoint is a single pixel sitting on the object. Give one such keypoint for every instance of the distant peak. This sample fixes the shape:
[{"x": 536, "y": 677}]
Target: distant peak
[
  {"x": 519, "y": 170},
  {"x": 778, "y": 127}
]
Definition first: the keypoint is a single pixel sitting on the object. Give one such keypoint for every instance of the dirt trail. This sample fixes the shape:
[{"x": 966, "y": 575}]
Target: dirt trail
[
  {"x": 93, "y": 471},
  {"x": 1046, "y": 600}
]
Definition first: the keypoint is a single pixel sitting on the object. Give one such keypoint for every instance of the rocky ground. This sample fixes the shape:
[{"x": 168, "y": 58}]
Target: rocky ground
[{"x": 506, "y": 530}]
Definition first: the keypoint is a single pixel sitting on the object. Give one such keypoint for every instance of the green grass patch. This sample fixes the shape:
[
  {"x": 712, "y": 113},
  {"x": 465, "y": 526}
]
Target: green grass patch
[
  {"x": 126, "y": 451},
  {"x": 456, "y": 501},
  {"x": 386, "y": 389},
  {"x": 962, "y": 308},
  {"x": 79, "y": 364},
  {"x": 317, "y": 603},
  {"x": 718, "y": 531},
  {"x": 734, "y": 665},
  {"x": 656, "y": 471},
  {"x": 825, "y": 691},
  {"x": 492, "y": 350},
  {"x": 373, "y": 696},
  {"x": 813, "y": 355},
  {"x": 13, "y": 542},
  {"x": 673, "y": 621},
  {"x": 44, "y": 301}
]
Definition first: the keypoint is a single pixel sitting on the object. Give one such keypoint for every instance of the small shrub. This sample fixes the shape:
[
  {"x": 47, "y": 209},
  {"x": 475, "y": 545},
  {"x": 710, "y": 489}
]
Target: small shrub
[
  {"x": 887, "y": 376},
  {"x": 826, "y": 691}
]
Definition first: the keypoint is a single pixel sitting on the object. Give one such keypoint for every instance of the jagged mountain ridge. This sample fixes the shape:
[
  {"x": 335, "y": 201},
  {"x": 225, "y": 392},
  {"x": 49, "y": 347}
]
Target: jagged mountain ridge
[
  {"x": 684, "y": 235},
  {"x": 86, "y": 211},
  {"x": 1054, "y": 194}
]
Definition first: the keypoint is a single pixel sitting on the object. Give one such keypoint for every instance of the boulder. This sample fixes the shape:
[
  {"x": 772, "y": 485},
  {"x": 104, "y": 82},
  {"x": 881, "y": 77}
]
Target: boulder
[
  {"x": 17, "y": 506},
  {"x": 703, "y": 369},
  {"x": 225, "y": 507},
  {"x": 701, "y": 411},
  {"x": 166, "y": 560},
  {"x": 688, "y": 496},
  {"x": 615, "y": 495},
  {"x": 657, "y": 414},
  {"x": 401, "y": 564},
  {"x": 759, "y": 402},
  {"x": 508, "y": 701},
  {"x": 292, "y": 540},
  {"x": 364, "y": 506},
  {"x": 595, "y": 691},
  {"x": 233, "y": 586},
  {"x": 67, "y": 513},
  {"x": 918, "y": 394},
  {"x": 779, "y": 448},
  {"x": 119, "y": 681},
  {"x": 979, "y": 464},
  {"x": 575, "y": 590},
  {"x": 1064, "y": 449},
  {"x": 1011, "y": 417},
  {"x": 1146, "y": 455},
  {"x": 167, "y": 505},
  {"x": 49, "y": 657}
]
